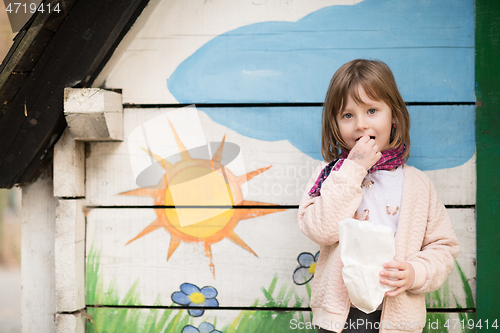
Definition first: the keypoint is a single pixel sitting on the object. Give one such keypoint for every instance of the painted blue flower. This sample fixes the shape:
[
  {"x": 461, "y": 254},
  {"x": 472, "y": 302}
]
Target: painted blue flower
[
  {"x": 306, "y": 269},
  {"x": 203, "y": 328},
  {"x": 193, "y": 296}
]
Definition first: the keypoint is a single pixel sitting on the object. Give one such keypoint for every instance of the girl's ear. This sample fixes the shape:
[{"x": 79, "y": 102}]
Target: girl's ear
[{"x": 394, "y": 120}]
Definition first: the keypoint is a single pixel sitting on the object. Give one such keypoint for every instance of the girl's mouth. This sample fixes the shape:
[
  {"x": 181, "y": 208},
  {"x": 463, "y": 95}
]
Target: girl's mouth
[{"x": 371, "y": 137}]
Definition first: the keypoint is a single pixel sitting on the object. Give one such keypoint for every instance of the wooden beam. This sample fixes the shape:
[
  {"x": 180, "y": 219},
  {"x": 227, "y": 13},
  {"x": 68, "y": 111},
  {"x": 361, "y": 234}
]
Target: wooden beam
[{"x": 94, "y": 114}]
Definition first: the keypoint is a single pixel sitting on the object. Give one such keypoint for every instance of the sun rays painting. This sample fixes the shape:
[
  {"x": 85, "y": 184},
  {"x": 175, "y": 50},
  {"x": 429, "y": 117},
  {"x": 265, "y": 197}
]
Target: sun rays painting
[{"x": 201, "y": 196}]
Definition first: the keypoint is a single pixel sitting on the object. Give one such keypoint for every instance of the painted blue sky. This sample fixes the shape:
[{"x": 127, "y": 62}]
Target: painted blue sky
[
  {"x": 429, "y": 45},
  {"x": 441, "y": 136}
]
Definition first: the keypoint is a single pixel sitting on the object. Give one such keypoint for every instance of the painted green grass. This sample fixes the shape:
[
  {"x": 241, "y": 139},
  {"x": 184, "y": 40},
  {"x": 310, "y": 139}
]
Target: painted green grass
[
  {"x": 101, "y": 320},
  {"x": 109, "y": 319},
  {"x": 272, "y": 321},
  {"x": 438, "y": 299},
  {"x": 469, "y": 303},
  {"x": 136, "y": 320},
  {"x": 122, "y": 319}
]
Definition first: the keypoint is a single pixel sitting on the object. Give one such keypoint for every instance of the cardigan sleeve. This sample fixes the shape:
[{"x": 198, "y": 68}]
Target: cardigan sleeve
[
  {"x": 340, "y": 197},
  {"x": 436, "y": 259}
]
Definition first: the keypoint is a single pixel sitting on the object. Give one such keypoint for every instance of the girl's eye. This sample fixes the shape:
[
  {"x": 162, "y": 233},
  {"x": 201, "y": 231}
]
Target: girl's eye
[
  {"x": 372, "y": 111},
  {"x": 347, "y": 116}
]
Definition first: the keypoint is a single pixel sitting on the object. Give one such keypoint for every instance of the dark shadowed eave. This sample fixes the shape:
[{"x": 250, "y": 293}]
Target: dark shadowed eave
[{"x": 51, "y": 52}]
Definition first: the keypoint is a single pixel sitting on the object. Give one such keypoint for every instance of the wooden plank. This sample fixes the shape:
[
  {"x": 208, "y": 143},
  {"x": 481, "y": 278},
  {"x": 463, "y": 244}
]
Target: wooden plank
[
  {"x": 56, "y": 18},
  {"x": 38, "y": 297},
  {"x": 69, "y": 167},
  {"x": 267, "y": 252},
  {"x": 238, "y": 261},
  {"x": 456, "y": 186},
  {"x": 460, "y": 288},
  {"x": 172, "y": 320},
  {"x": 124, "y": 44},
  {"x": 21, "y": 45},
  {"x": 70, "y": 323},
  {"x": 33, "y": 53},
  {"x": 290, "y": 147},
  {"x": 488, "y": 148},
  {"x": 70, "y": 255},
  {"x": 10, "y": 89},
  {"x": 259, "y": 53}
]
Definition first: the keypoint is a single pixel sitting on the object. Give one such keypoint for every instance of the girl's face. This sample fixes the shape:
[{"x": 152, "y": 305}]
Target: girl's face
[{"x": 372, "y": 118}]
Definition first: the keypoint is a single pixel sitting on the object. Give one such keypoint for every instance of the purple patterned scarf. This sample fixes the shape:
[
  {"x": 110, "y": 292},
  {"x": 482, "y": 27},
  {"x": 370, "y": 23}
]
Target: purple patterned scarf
[{"x": 390, "y": 159}]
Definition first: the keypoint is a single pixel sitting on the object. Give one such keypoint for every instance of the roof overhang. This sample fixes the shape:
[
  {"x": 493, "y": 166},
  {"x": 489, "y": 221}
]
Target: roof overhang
[{"x": 51, "y": 52}]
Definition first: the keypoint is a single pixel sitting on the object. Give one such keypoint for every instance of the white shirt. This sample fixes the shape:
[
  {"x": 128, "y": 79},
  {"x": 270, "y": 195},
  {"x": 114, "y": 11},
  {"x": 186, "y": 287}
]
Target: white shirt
[{"x": 382, "y": 193}]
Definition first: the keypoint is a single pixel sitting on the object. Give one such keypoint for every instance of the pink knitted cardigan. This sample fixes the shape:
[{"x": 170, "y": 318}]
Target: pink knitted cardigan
[{"x": 425, "y": 238}]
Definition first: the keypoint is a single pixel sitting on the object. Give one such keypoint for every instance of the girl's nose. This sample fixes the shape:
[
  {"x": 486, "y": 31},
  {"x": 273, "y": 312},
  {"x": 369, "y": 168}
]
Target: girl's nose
[{"x": 361, "y": 123}]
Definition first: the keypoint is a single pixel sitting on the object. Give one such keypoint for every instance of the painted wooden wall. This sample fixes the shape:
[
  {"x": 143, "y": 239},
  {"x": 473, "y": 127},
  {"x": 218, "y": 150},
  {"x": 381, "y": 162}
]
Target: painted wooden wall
[{"x": 227, "y": 238}]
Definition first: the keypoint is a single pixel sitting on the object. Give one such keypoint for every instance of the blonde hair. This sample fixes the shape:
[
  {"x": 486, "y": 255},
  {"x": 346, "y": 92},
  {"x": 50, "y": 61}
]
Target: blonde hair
[{"x": 378, "y": 82}]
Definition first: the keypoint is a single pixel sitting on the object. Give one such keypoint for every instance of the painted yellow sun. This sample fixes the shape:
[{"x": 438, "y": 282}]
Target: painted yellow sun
[{"x": 184, "y": 220}]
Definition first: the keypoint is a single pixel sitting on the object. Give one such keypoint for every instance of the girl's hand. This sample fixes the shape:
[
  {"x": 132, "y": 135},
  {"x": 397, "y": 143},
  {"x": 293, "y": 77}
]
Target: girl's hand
[
  {"x": 365, "y": 152},
  {"x": 402, "y": 278}
]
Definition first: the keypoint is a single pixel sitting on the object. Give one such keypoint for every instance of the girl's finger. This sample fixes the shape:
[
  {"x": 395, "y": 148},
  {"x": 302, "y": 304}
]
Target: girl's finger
[
  {"x": 393, "y": 274},
  {"x": 392, "y": 264},
  {"x": 392, "y": 283},
  {"x": 395, "y": 292}
]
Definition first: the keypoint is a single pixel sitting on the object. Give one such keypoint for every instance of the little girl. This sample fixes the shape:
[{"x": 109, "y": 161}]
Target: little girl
[{"x": 365, "y": 138}]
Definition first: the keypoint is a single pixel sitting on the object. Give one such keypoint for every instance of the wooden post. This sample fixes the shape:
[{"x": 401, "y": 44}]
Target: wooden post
[
  {"x": 69, "y": 323},
  {"x": 69, "y": 188},
  {"x": 488, "y": 160},
  {"x": 93, "y": 114},
  {"x": 70, "y": 255},
  {"x": 38, "y": 301},
  {"x": 69, "y": 167}
]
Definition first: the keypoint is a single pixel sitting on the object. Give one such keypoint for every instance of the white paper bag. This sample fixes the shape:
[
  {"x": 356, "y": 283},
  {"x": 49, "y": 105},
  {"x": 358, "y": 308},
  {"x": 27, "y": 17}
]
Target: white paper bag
[{"x": 364, "y": 248}]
